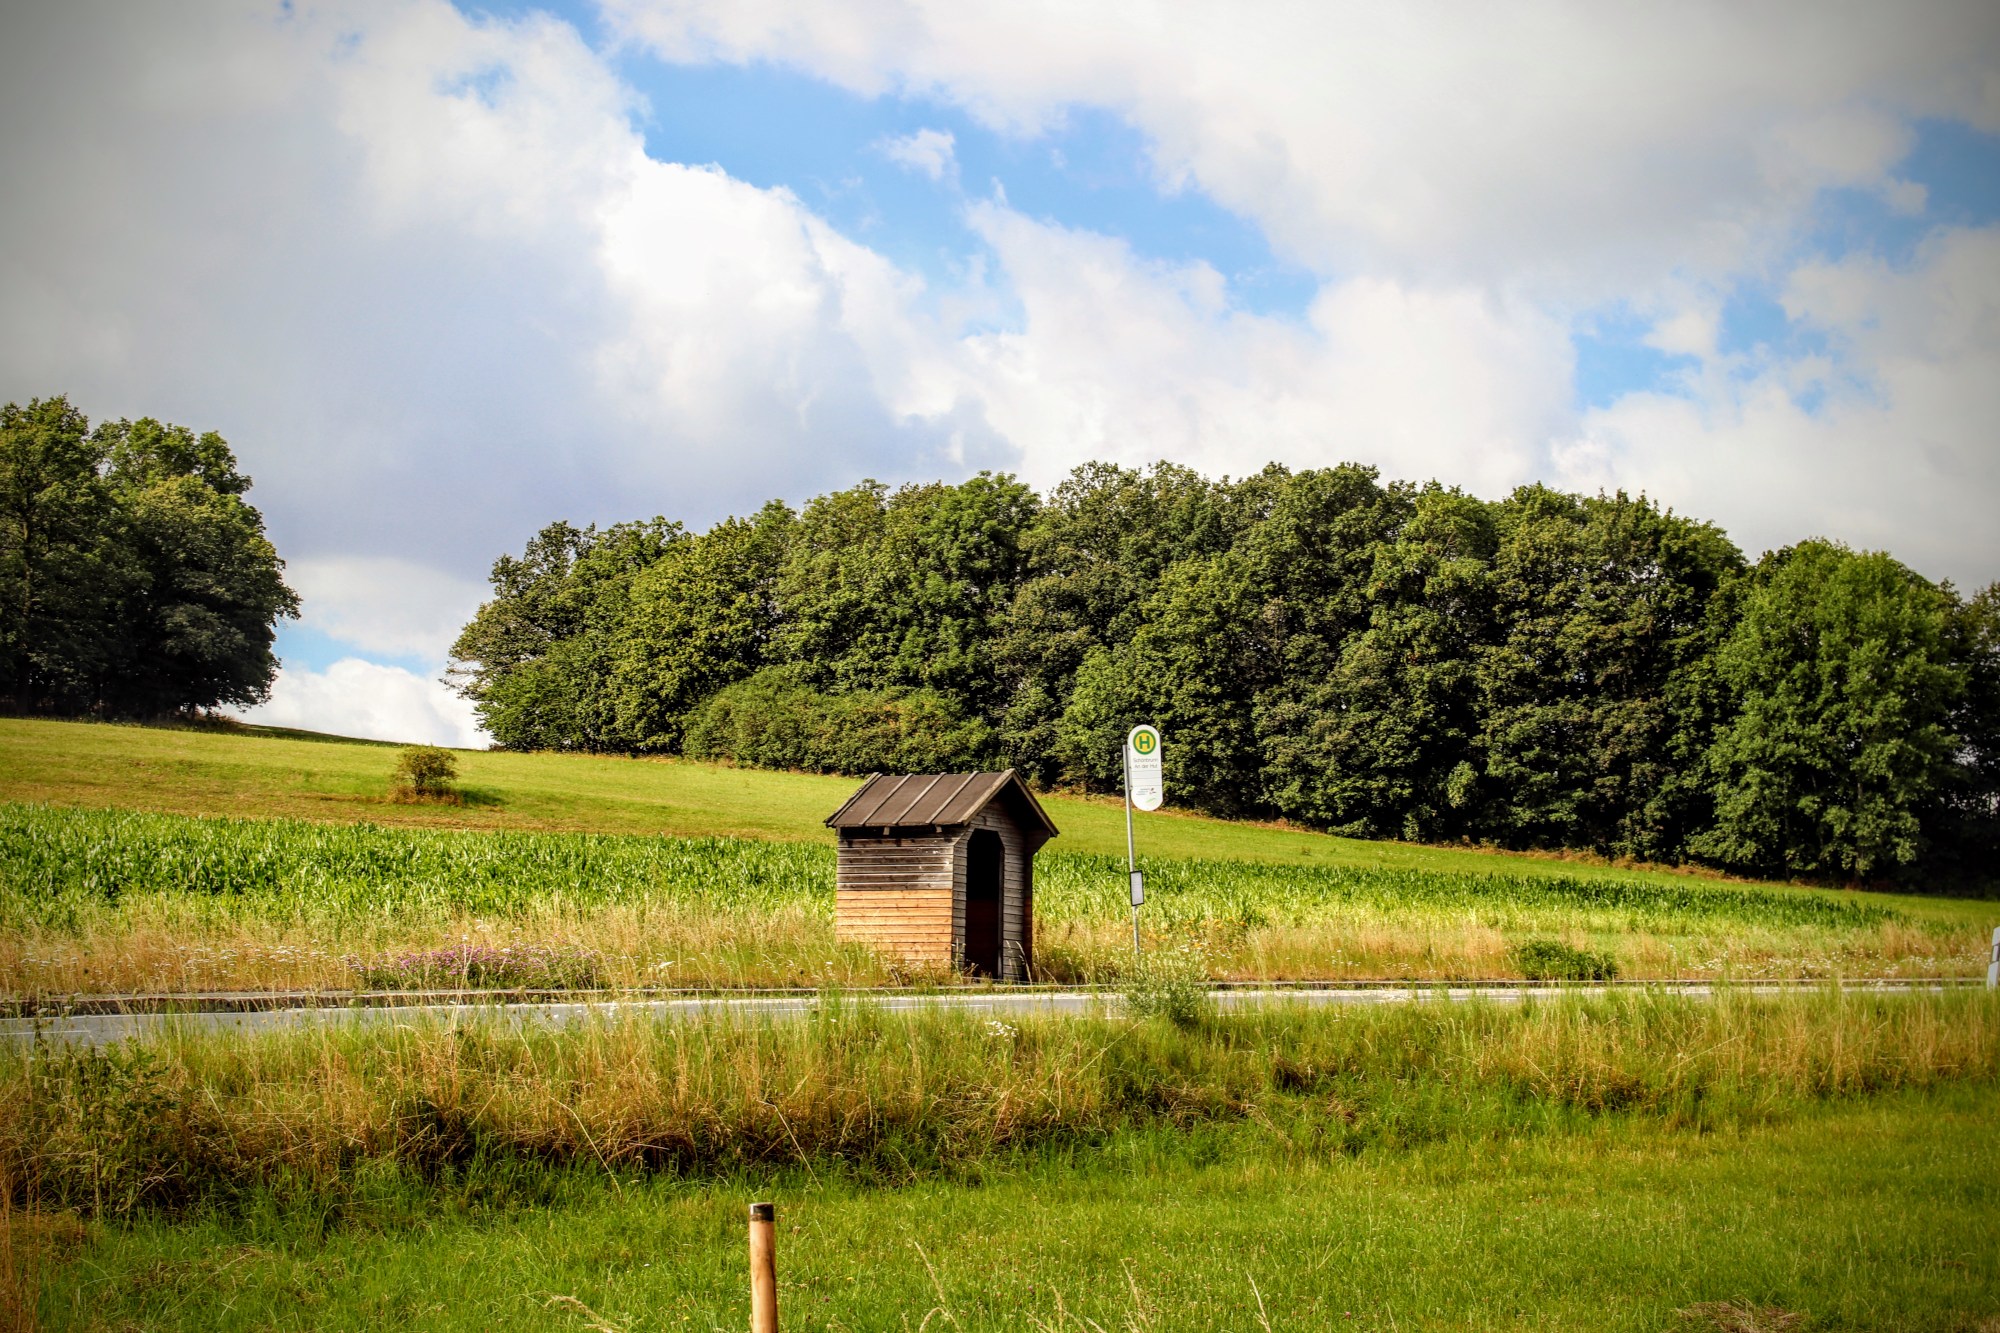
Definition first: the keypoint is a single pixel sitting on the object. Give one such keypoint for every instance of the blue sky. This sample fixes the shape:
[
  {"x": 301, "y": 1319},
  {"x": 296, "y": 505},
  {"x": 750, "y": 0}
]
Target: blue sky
[{"x": 440, "y": 274}]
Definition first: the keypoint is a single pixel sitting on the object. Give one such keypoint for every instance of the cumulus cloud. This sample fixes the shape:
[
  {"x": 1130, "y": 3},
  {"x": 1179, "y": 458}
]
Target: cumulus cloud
[
  {"x": 927, "y": 151},
  {"x": 1578, "y": 143},
  {"x": 354, "y": 697},
  {"x": 1883, "y": 439},
  {"x": 382, "y": 604},
  {"x": 1129, "y": 361}
]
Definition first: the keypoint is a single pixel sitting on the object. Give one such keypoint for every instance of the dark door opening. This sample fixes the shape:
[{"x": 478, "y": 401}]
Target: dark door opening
[{"x": 985, "y": 869}]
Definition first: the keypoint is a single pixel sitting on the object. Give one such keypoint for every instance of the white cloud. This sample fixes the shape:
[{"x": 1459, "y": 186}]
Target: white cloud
[
  {"x": 928, "y": 151},
  {"x": 374, "y": 702},
  {"x": 1885, "y": 441},
  {"x": 381, "y": 604},
  {"x": 1127, "y": 361},
  {"x": 1576, "y": 143}
]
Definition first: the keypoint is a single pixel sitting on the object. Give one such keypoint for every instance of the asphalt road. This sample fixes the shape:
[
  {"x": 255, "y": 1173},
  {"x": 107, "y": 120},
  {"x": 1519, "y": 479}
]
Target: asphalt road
[{"x": 97, "y": 1029}]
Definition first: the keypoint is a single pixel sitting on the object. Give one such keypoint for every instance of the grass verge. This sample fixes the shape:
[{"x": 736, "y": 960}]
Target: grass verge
[
  {"x": 1873, "y": 1213},
  {"x": 488, "y": 1113}
]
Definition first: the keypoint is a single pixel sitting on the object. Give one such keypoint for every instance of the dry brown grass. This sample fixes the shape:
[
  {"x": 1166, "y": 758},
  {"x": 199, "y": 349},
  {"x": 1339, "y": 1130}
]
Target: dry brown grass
[
  {"x": 145, "y": 951},
  {"x": 32, "y": 1244},
  {"x": 1740, "y": 1317}
]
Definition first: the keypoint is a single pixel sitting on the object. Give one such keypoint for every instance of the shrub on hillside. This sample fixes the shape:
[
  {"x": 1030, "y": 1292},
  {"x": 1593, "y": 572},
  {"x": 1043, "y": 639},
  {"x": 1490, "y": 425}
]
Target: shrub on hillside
[
  {"x": 1552, "y": 960},
  {"x": 425, "y": 773},
  {"x": 772, "y": 720}
]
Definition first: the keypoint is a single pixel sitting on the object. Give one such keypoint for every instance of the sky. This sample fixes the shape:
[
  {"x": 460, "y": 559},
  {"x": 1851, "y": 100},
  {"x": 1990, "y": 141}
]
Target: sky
[{"x": 444, "y": 274}]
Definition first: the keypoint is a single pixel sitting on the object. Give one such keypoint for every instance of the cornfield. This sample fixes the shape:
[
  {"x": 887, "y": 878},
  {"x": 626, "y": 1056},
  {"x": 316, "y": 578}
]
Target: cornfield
[
  {"x": 108, "y": 900},
  {"x": 60, "y": 865}
]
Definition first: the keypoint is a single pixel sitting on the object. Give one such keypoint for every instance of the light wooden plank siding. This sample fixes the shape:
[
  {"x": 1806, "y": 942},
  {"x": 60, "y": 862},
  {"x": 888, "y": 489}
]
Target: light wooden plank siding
[
  {"x": 900, "y": 885},
  {"x": 904, "y": 896}
]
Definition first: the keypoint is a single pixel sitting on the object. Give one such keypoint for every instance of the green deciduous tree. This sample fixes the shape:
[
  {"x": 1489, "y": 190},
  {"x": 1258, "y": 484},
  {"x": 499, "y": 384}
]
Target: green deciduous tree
[
  {"x": 701, "y": 617},
  {"x": 202, "y": 586},
  {"x": 138, "y": 580},
  {"x": 904, "y": 589},
  {"x": 1593, "y": 715},
  {"x": 1376, "y": 736},
  {"x": 57, "y": 559},
  {"x": 1842, "y": 670},
  {"x": 538, "y": 659}
]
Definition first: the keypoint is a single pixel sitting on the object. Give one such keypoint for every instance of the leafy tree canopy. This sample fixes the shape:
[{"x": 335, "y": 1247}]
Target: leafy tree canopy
[
  {"x": 136, "y": 578},
  {"x": 1380, "y": 658}
]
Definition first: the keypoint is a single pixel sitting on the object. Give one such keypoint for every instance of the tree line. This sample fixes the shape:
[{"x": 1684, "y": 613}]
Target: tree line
[
  {"x": 135, "y": 579},
  {"x": 1374, "y": 658}
]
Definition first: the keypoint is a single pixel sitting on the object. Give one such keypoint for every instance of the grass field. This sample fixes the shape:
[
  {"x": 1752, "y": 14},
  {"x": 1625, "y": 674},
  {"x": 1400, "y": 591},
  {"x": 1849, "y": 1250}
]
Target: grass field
[
  {"x": 1817, "y": 1160},
  {"x": 259, "y": 772},
  {"x": 1876, "y": 1214},
  {"x": 1600, "y": 1164},
  {"x": 118, "y": 901},
  {"x": 539, "y": 880}
]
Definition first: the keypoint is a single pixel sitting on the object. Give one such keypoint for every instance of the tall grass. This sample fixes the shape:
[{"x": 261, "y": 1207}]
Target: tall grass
[
  {"x": 107, "y": 900},
  {"x": 201, "y": 1120}
]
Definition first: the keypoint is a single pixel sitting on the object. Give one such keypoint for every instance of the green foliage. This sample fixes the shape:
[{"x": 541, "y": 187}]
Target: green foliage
[
  {"x": 62, "y": 865},
  {"x": 1846, "y": 686},
  {"x": 701, "y": 619},
  {"x": 772, "y": 720},
  {"x": 1553, "y": 960},
  {"x": 1372, "y": 658},
  {"x": 111, "y": 1127},
  {"x": 1170, "y": 984},
  {"x": 539, "y": 660},
  {"x": 138, "y": 581},
  {"x": 57, "y": 555},
  {"x": 1593, "y": 722},
  {"x": 425, "y": 771}
]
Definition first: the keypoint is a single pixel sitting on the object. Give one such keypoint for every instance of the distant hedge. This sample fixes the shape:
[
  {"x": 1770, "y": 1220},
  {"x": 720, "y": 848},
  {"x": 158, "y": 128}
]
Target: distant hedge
[{"x": 772, "y": 721}]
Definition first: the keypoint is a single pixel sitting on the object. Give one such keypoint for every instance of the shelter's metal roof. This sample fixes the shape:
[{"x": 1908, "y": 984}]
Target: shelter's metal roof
[{"x": 924, "y": 799}]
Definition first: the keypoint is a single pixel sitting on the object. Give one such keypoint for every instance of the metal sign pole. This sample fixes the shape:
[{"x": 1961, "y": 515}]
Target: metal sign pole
[{"x": 1131, "y": 859}]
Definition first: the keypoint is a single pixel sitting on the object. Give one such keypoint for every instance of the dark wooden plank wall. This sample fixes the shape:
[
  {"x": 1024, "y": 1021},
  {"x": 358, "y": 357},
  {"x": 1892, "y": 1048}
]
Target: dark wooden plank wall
[{"x": 1016, "y": 894}]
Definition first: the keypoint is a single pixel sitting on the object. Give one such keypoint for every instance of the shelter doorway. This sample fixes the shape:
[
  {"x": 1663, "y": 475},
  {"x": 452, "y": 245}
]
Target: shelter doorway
[{"x": 985, "y": 872}]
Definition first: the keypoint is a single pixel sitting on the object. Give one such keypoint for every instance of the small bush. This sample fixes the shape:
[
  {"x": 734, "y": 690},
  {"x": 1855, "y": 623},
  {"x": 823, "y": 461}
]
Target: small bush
[
  {"x": 1552, "y": 960},
  {"x": 425, "y": 773},
  {"x": 1170, "y": 984}
]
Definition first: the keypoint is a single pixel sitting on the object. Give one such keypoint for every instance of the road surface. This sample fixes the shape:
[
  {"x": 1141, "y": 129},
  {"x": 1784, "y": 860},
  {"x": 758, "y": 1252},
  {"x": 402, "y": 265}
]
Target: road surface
[{"x": 97, "y": 1029}]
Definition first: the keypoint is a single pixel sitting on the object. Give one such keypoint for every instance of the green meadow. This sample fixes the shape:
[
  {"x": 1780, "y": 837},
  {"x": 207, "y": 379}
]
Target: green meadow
[
  {"x": 1637, "y": 1162},
  {"x": 146, "y": 859},
  {"x": 1641, "y": 1161}
]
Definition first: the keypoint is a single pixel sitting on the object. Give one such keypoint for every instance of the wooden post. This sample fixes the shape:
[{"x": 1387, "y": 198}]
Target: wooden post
[{"x": 763, "y": 1268}]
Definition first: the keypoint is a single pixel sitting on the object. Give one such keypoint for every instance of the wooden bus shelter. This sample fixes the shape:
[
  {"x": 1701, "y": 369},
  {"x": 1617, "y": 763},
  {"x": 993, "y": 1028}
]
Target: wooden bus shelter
[{"x": 939, "y": 868}]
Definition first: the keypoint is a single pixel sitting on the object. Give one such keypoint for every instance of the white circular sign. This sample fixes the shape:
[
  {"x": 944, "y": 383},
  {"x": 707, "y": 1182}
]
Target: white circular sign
[{"x": 1143, "y": 782}]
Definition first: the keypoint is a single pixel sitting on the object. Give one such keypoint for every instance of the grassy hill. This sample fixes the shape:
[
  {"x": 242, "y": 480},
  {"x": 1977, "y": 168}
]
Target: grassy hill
[
  {"x": 257, "y": 772},
  {"x": 578, "y": 870}
]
